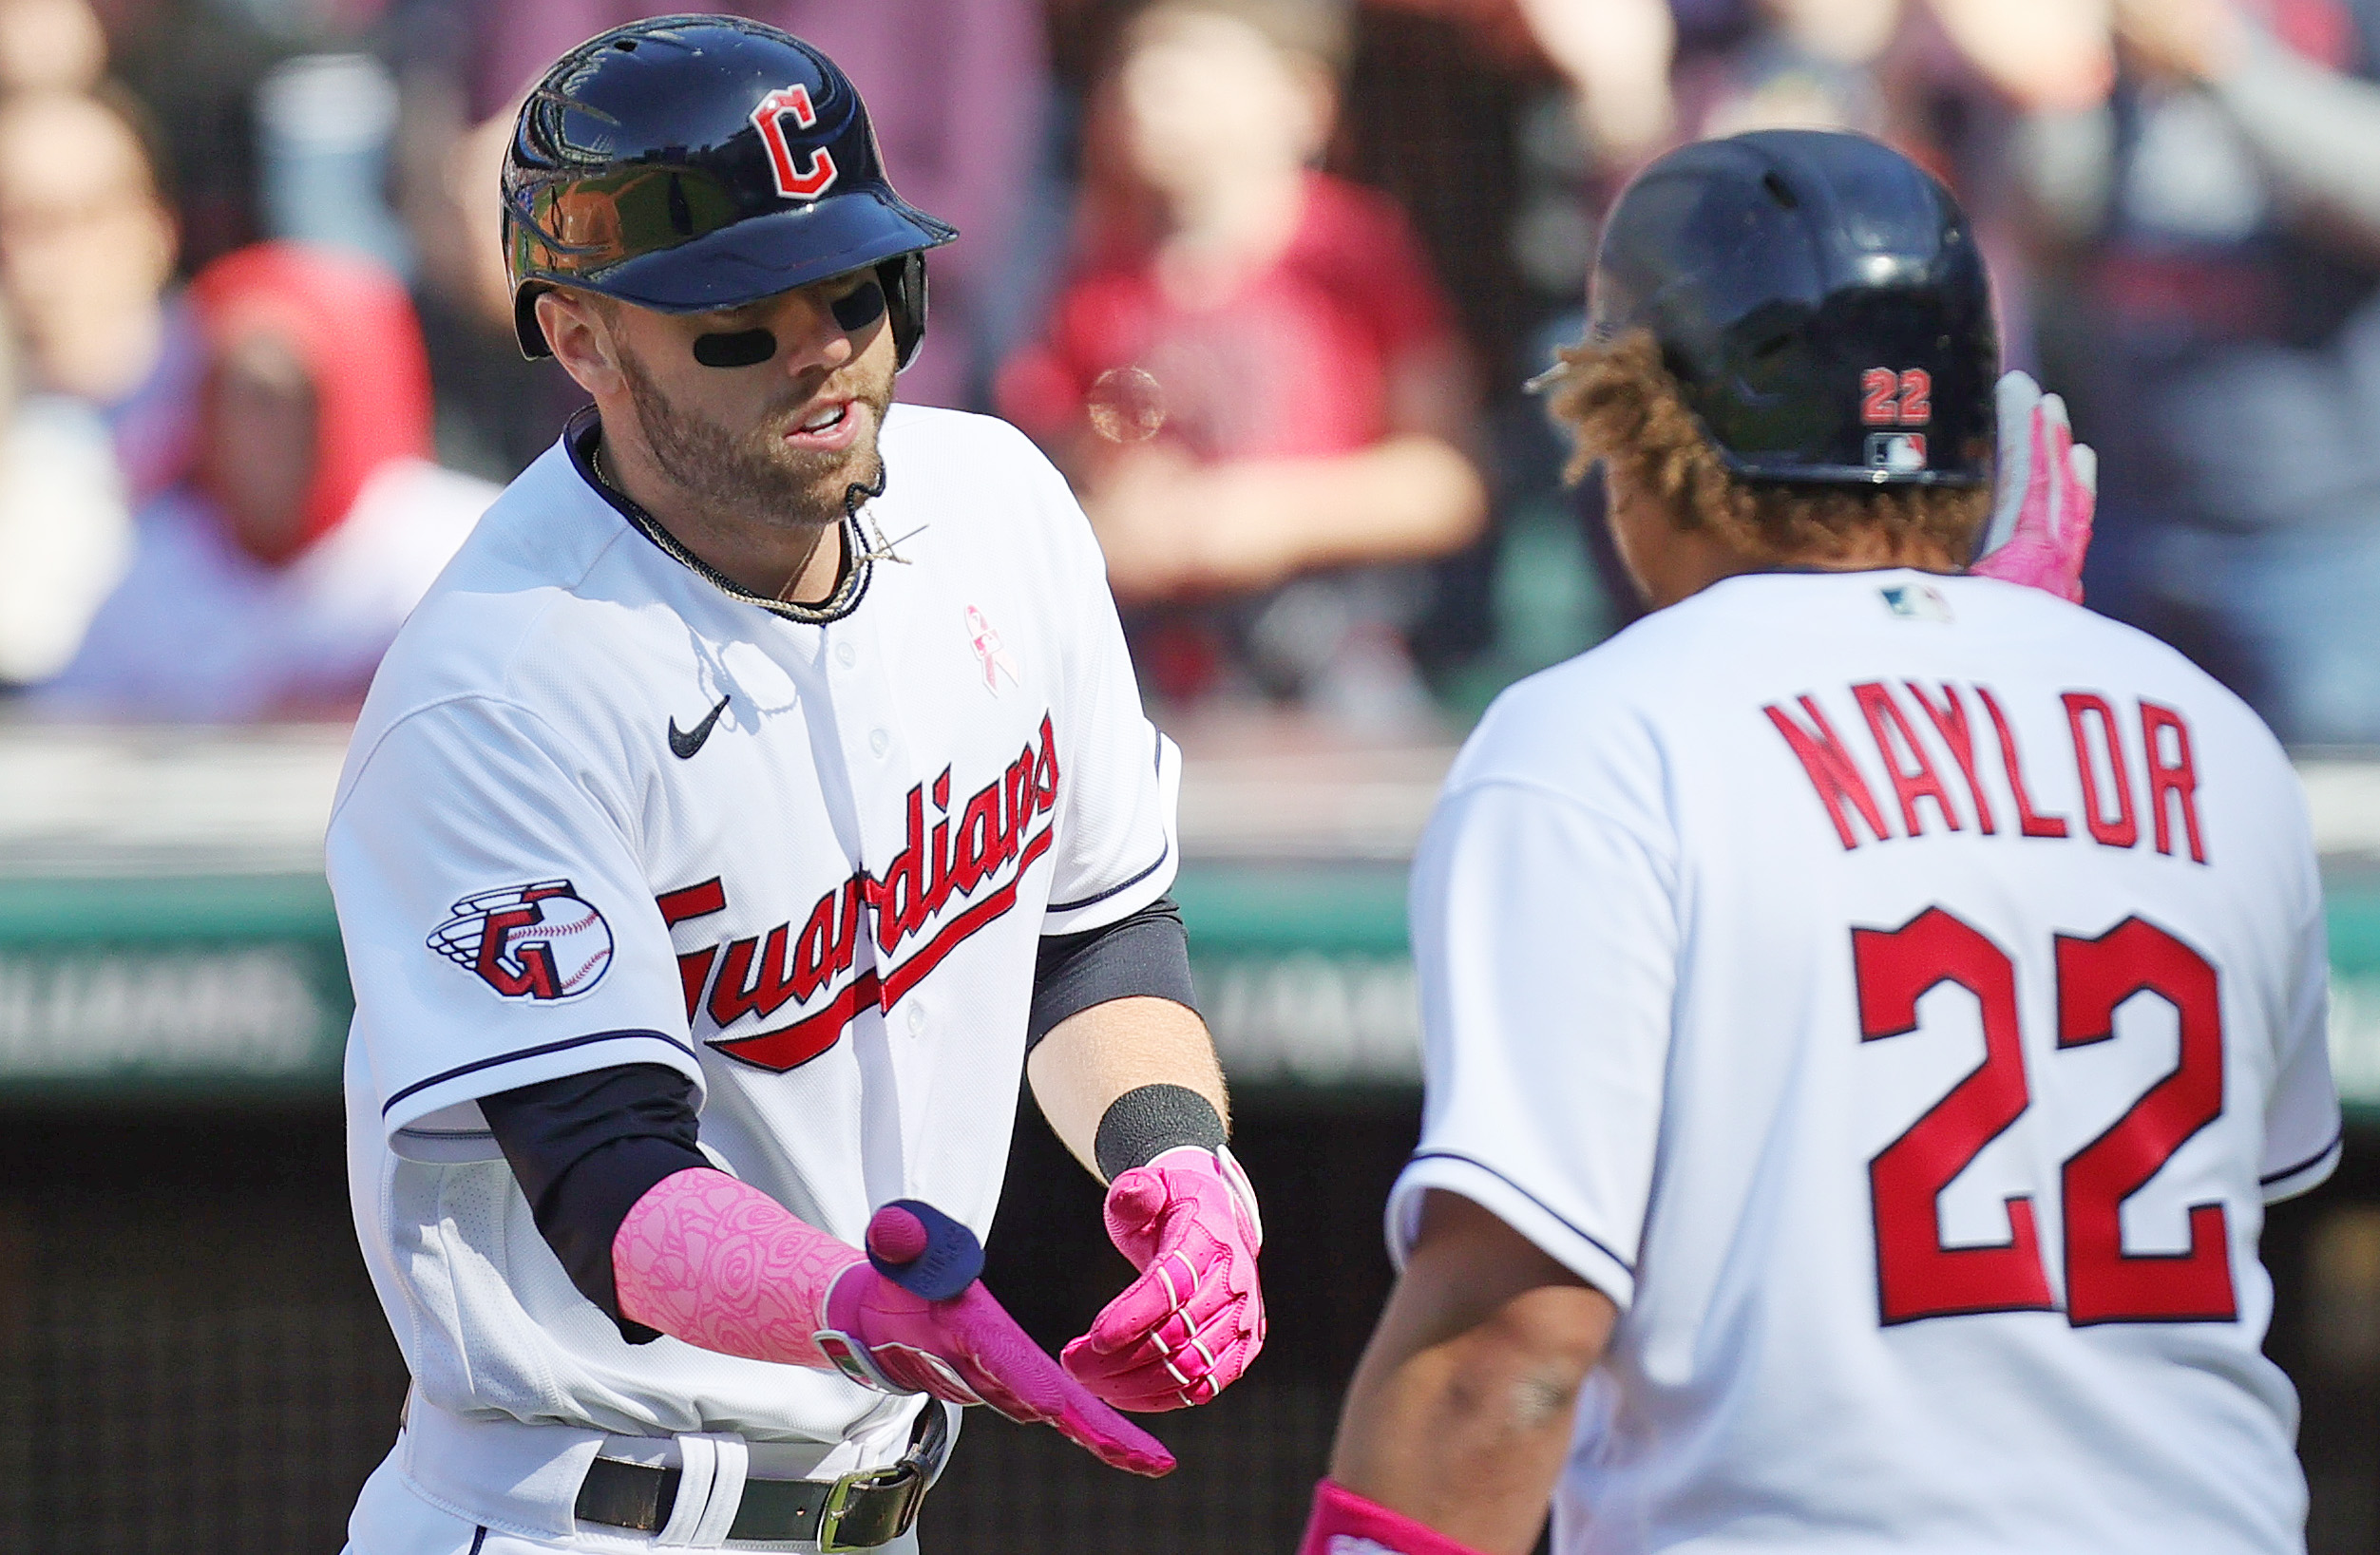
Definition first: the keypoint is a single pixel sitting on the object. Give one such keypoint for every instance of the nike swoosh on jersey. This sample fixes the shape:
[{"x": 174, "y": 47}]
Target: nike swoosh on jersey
[{"x": 685, "y": 742}]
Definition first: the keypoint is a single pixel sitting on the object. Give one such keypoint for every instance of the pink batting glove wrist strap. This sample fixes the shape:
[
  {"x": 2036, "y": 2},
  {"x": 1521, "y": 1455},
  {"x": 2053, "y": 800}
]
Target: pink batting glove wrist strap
[
  {"x": 1344, "y": 1523},
  {"x": 718, "y": 1263}
]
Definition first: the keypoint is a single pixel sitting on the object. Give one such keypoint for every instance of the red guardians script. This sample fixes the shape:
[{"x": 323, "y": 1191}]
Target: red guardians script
[{"x": 2135, "y": 774}]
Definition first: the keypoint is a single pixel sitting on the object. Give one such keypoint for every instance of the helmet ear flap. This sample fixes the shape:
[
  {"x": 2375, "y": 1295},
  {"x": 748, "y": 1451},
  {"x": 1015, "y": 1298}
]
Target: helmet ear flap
[
  {"x": 526, "y": 328},
  {"x": 903, "y": 277}
]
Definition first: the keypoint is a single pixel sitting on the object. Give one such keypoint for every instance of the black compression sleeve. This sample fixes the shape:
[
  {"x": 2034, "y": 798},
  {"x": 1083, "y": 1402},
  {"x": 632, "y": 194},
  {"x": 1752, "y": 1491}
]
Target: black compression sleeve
[
  {"x": 586, "y": 1147},
  {"x": 1145, "y": 953}
]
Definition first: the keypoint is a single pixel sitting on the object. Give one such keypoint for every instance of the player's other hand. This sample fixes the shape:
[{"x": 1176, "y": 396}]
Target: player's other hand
[
  {"x": 1189, "y": 1326},
  {"x": 966, "y": 1349},
  {"x": 2042, "y": 496}
]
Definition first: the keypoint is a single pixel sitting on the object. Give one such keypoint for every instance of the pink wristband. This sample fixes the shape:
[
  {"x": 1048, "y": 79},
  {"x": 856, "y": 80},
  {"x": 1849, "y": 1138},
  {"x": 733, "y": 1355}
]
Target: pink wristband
[
  {"x": 1344, "y": 1523},
  {"x": 718, "y": 1263}
]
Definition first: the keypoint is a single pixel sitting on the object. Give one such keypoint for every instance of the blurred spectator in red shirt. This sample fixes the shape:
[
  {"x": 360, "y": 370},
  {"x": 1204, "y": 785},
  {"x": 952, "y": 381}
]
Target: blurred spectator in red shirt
[
  {"x": 1250, "y": 374},
  {"x": 273, "y": 579},
  {"x": 87, "y": 248}
]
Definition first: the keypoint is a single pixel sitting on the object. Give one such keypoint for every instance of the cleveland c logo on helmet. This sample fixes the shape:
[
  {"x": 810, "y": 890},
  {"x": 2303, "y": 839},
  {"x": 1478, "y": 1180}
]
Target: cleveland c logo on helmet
[
  {"x": 691, "y": 164},
  {"x": 768, "y": 119}
]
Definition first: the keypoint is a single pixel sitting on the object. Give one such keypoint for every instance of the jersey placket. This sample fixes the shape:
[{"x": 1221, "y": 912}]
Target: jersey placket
[{"x": 882, "y": 770}]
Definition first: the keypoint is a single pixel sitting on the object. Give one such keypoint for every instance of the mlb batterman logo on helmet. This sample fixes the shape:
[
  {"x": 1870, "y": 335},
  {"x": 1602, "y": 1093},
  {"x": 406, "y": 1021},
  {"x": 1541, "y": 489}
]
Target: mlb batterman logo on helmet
[{"x": 540, "y": 941}]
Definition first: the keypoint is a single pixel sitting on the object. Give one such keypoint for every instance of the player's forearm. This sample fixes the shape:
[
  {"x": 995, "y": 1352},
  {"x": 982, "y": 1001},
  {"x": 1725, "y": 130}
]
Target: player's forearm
[
  {"x": 1618, "y": 54},
  {"x": 717, "y": 1264},
  {"x": 2047, "y": 54},
  {"x": 1460, "y": 1413},
  {"x": 2308, "y": 124},
  {"x": 1097, "y": 1056},
  {"x": 1467, "y": 1435},
  {"x": 1407, "y": 498}
]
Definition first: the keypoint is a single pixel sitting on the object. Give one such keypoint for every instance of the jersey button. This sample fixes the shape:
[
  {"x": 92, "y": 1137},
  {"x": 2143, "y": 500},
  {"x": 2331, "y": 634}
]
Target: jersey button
[
  {"x": 878, "y": 740},
  {"x": 845, "y": 655},
  {"x": 917, "y": 1019}
]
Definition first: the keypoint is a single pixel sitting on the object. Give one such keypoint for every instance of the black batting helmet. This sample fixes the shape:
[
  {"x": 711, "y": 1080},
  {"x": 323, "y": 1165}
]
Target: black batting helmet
[
  {"x": 1819, "y": 298},
  {"x": 692, "y": 162}
]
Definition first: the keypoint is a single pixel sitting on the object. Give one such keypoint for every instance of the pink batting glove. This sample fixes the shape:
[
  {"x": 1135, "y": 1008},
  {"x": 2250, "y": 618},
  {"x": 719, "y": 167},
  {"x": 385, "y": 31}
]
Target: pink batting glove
[
  {"x": 1188, "y": 1327},
  {"x": 890, "y": 1329},
  {"x": 2044, "y": 495}
]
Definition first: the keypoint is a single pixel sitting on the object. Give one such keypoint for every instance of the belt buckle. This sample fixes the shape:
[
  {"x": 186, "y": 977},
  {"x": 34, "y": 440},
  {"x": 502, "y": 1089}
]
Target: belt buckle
[{"x": 873, "y": 1526}]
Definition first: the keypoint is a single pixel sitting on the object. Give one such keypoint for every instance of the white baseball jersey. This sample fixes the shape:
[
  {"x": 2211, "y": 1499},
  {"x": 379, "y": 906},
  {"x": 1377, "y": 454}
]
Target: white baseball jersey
[
  {"x": 1900, "y": 996},
  {"x": 600, "y": 811}
]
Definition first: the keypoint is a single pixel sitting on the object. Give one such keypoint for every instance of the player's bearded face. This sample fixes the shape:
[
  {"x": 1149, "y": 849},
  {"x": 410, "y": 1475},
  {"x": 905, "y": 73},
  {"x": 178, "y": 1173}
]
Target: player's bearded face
[{"x": 721, "y": 437}]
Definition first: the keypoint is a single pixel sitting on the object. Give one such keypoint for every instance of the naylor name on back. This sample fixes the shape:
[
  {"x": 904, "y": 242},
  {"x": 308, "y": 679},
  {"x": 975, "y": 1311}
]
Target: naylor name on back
[{"x": 1908, "y": 726}]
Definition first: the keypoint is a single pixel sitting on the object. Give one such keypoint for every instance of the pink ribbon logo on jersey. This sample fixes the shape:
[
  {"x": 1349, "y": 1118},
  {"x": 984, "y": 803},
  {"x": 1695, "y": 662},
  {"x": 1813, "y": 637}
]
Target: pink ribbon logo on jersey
[{"x": 986, "y": 636}]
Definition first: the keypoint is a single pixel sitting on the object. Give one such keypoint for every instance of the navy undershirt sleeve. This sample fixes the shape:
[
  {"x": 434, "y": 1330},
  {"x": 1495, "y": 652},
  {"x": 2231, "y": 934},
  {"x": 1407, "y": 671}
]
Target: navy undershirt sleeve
[
  {"x": 1147, "y": 954},
  {"x": 586, "y": 1147}
]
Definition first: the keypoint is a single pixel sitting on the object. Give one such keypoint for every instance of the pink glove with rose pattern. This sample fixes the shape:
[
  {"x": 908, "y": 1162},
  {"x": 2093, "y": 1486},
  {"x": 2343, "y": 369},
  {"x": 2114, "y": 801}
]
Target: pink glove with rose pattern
[{"x": 718, "y": 1263}]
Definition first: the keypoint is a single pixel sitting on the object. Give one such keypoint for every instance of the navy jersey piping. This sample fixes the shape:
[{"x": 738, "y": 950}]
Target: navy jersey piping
[
  {"x": 1564, "y": 1221},
  {"x": 460, "y": 1070},
  {"x": 1164, "y": 853},
  {"x": 2314, "y": 1159}
]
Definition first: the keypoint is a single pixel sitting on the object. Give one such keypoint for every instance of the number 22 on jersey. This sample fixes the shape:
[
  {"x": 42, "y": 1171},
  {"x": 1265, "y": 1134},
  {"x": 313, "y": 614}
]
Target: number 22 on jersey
[{"x": 1917, "y": 1276}]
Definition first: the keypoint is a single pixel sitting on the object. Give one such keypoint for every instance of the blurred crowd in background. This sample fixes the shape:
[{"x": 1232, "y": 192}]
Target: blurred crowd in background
[{"x": 1264, "y": 278}]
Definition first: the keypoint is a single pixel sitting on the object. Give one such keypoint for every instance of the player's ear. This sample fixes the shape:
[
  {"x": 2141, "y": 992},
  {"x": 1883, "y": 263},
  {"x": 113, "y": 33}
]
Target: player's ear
[{"x": 581, "y": 338}]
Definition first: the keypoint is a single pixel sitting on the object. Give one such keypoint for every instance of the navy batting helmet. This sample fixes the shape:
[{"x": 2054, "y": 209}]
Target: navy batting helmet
[
  {"x": 692, "y": 162},
  {"x": 1820, "y": 301}
]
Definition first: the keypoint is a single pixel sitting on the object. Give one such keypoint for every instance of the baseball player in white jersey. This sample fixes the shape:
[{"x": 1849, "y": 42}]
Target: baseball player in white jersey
[
  {"x": 761, "y": 783},
  {"x": 1868, "y": 1005}
]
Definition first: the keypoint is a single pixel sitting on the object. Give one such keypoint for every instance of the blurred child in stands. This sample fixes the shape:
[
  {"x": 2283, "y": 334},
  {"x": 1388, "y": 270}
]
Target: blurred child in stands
[
  {"x": 1250, "y": 376},
  {"x": 271, "y": 582}
]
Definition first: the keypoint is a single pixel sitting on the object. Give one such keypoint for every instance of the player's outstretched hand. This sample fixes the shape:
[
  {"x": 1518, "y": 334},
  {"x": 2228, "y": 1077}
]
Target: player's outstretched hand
[
  {"x": 895, "y": 1331},
  {"x": 2042, "y": 496},
  {"x": 1189, "y": 1326}
]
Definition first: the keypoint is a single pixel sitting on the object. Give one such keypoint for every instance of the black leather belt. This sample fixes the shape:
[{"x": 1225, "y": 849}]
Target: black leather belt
[{"x": 858, "y": 1511}]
